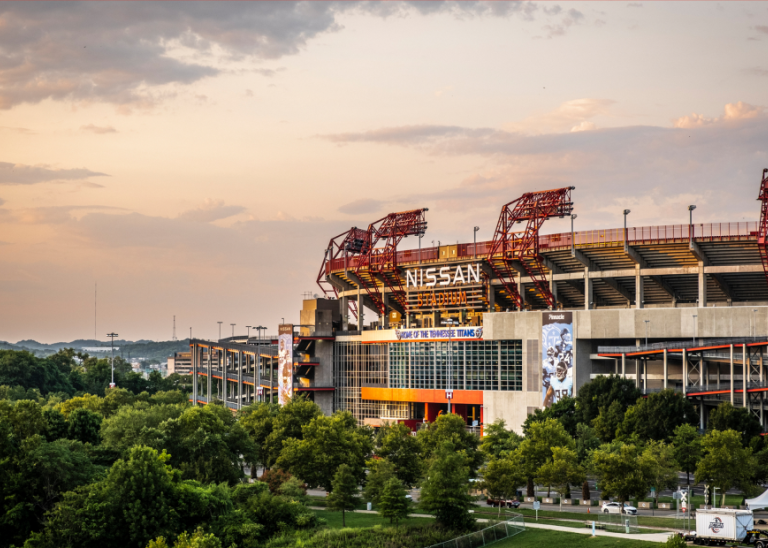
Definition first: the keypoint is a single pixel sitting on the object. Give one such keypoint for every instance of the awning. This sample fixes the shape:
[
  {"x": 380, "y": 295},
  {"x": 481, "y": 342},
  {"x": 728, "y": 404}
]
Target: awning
[{"x": 758, "y": 502}]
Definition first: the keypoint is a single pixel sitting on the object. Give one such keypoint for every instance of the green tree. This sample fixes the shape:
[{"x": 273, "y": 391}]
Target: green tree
[
  {"x": 197, "y": 540},
  {"x": 344, "y": 492},
  {"x": 394, "y": 501},
  {"x": 84, "y": 426},
  {"x": 563, "y": 410},
  {"x": 561, "y": 471},
  {"x": 497, "y": 440},
  {"x": 24, "y": 417},
  {"x": 608, "y": 420},
  {"x": 727, "y": 417},
  {"x": 397, "y": 445},
  {"x": 601, "y": 392},
  {"x": 288, "y": 424},
  {"x": 445, "y": 491},
  {"x": 327, "y": 443},
  {"x": 687, "y": 448},
  {"x": 620, "y": 471},
  {"x": 451, "y": 428},
  {"x": 137, "y": 424},
  {"x": 726, "y": 463},
  {"x": 658, "y": 459},
  {"x": 536, "y": 448},
  {"x": 294, "y": 489},
  {"x": 657, "y": 416},
  {"x": 380, "y": 471},
  {"x": 501, "y": 478},
  {"x": 258, "y": 421},
  {"x": 586, "y": 442},
  {"x": 55, "y": 424}
]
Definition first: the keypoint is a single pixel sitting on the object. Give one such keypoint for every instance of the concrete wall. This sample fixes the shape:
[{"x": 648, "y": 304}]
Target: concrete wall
[{"x": 513, "y": 407}]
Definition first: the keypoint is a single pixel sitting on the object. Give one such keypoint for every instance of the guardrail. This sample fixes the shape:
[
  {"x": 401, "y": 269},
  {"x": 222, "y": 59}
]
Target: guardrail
[
  {"x": 678, "y": 345},
  {"x": 512, "y": 526}
]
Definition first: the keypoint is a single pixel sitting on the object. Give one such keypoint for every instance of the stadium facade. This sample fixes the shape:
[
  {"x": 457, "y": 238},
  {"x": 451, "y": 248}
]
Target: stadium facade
[{"x": 498, "y": 329}]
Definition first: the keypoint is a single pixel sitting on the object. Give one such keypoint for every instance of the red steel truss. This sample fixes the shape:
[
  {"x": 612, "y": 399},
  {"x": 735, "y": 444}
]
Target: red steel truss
[
  {"x": 354, "y": 241},
  {"x": 379, "y": 264},
  {"x": 522, "y": 247},
  {"x": 762, "y": 229}
]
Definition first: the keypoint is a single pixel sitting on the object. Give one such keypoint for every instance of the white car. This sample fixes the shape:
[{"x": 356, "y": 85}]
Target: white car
[{"x": 615, "y": 508}]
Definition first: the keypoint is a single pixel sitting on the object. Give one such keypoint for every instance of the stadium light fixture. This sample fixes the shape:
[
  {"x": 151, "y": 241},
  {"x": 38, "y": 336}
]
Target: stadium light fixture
[
  {"x": 573, "y": 248},
  {"x": 248, "y": 327},
  {"x": 233, "y": 328},
  {"x": 626, "y": 246},
  {"x": 475, "y": 240}
]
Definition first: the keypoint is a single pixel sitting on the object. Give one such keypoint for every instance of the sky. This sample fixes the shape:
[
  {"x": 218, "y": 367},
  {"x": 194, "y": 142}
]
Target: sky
[{"x": 194, "y": 159}]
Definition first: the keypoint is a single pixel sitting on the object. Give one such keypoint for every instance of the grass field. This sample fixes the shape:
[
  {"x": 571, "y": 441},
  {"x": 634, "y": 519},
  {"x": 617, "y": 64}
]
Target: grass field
[
  {"x": 535, "y": 538},
  {"x": 356, "y": 520}
]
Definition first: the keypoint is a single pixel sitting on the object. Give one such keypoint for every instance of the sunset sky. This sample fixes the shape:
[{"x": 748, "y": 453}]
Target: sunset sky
[{"x": 194, "y": 159}]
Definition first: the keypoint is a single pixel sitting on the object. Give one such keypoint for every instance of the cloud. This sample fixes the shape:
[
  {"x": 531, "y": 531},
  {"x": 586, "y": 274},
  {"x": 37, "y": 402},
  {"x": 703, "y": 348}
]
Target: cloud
[
  {"x": 762, "y": 28},
  {"x": 757, "y": 71},
  {"x": 56, "y": 215},
  {"x": 572, "y": 17},
  {"x": 209, "y": 211},
  {"x": 634, "y": 5},
  {"x": 2, "y": 201},
  {"x": 21, "y": 130},
  {"x": 569, "y": 116},
  {"x": 733, "y": 112},
  {"x": 99, "y": 130},
  {"x": 19, "y": 174},
  {"x": 364, "y": 205}
]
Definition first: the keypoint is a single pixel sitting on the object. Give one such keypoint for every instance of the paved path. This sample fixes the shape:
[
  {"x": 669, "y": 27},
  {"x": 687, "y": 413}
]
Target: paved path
[{"x": 648, "y": 537}]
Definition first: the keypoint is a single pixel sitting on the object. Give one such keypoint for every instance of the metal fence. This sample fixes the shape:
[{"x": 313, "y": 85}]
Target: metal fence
[
  {"x": 513, "y": 525},
  {"x": 618, "y": 523}
]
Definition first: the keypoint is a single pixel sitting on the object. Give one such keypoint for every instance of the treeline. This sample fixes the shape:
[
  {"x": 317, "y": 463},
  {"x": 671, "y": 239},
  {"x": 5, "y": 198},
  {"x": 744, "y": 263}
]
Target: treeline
[{"x": 629, "y": 443}]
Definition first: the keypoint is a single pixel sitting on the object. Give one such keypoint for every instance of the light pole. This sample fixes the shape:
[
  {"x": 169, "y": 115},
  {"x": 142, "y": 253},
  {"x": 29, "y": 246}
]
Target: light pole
[
  {"x": 626, "y": 245},
  {"x": 646, "y": 332},
  {"x": 112, "y": 365},
  {"x": 474, "y": 251},
  {"x": 450, "y": 322},
  {"x": 694, "y": 316},
  {"x": 190, "y": 333},
  {"x": 690, "y": 223},
  {"x": 233, "y": 328},
  {"x": 219, "y": 329},
  {"x": 573, "y": 248},
  {"x": 248, "y": 327}
]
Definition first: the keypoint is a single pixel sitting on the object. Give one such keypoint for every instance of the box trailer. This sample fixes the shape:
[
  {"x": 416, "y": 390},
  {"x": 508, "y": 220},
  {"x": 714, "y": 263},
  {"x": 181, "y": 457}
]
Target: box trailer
[{"x": 720, "y": 525}]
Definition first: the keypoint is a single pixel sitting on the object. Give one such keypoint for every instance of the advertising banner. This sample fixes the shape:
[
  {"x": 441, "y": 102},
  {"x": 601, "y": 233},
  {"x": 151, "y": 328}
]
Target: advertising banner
[
  {"x": 462, "y": 333},
  {"x": 557, "y": 356},
  {"x": 284, "y": 363}
]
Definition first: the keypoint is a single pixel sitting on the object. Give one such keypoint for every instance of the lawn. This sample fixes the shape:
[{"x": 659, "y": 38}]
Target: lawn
[
  {"x": 356, "y": 520},
  {"x": 535, "y": 538},
  {"x": 580, "y": 525}
]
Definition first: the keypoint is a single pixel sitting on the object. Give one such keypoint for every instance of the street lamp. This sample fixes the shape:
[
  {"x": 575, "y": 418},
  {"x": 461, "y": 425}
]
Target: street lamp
[
  {"x": 233, "y": 328},
  {"x": 626, "y": 246},
  {"x": 474, "y": 251},
  {"x": 573, "y": 249},
  {"x": 450, "y": 322},
  {"x": 248, "y": 327},
  {"x": 690, "y": 223},
  {"x": 112, "y": 344},
  {"x": 219, "y": 329}
]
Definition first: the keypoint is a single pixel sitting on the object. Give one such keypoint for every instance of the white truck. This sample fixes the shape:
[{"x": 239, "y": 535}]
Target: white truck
[{"x": 719, "y": 526}]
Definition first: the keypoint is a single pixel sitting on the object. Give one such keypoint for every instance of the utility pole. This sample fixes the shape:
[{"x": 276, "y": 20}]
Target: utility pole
[
  {"x": 174, "y": 329},
  {"x": 112, "y": 344}
]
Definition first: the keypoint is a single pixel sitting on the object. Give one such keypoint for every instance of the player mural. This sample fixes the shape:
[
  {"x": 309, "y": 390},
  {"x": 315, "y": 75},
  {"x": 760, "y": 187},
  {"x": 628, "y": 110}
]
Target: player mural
[
  {"x": 557, "y": 355},
  {"x": 284, "y": 363}
]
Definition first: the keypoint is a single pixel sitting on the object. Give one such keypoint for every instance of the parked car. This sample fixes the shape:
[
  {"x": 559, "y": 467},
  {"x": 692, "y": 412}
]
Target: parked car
[
  {"x": 506, "y": 503},
  {"x": 615, "y": 508}
]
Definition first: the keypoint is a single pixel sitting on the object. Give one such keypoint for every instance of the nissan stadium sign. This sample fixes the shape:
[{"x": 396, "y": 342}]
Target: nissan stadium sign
[
  {"x": 443, "y": 276},
  {"x": 461, "y": 333}
]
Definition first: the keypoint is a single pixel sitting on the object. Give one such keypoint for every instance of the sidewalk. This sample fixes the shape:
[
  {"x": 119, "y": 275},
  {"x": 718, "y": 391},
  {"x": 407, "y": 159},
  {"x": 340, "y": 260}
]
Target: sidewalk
[{"x": 648, "y": 537}]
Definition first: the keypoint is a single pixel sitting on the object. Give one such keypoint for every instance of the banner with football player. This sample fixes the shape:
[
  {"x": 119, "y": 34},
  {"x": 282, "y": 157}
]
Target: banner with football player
[
  {"x": 284, "y": 363},
  {"x": 557, "y": 356}
]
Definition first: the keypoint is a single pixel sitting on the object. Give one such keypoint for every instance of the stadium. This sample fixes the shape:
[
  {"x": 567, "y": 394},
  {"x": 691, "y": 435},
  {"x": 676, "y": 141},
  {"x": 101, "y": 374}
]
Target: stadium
[{"x": 497, "y": 329}]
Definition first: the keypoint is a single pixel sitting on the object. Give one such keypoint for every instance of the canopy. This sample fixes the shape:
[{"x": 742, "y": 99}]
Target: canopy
[{"x": 758, "y": 502}]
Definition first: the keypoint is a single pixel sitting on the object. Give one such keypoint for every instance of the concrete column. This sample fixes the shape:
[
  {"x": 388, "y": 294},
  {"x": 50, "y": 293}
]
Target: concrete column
[
  {"x": 666, "y": 369},
  {"x": 553, "y": 286},
  {"x": 616, "y": 366},
  {"x": 359, "y": 319},
  {"x": 745, "y": 375},
  {"x": 588, "y": 293},
  {"x": 194, "y": 375},
  {"x": 685, "y": 372},
  {"x": 240, "y": 357},
  {"x": 209, "y": 387},
  {"x": 645, "y": 375},
  {"x": 624, "y": 366},
  {"x": 257, "y": 375},
  {"x": 702, "y": 285},
  {"x": 637, "y": 373},
  {"x": 639, "y": 288},
  {"x": 344, "y": 309},
  {"x": 491, "y": 298},
  {"x": 732, "y": 399},
  {"x": 701, "y": 414}
]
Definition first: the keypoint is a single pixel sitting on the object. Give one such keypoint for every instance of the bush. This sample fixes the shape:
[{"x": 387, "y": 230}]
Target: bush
[{"x": 391, "y": 537}]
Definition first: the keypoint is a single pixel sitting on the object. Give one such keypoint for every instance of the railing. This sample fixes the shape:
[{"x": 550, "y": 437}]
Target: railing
[
  {"x": 619, "y": 523},
  {"x": 512, "y": 526},
  {"x": 678, "y": 345},
  {"x": 586, "y": 238}
]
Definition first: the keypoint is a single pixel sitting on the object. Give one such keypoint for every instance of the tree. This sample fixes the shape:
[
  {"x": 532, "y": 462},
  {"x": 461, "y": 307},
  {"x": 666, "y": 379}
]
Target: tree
[
  {"x": 586, "y": 442},
  {"x": 258, "y": 421},
  {"x": 658, "y": 459},
  {"x": 137, "y": 424},
  {"x": 608, "y": 421},
  {"x": 397, "y": 445},
  {"x": 687, "y": 448},
  {"x": 84, "y": 426},
  {"x": 451, "y": 428},
  {"x": 55, "y": 424},
  {"x": 445, "y": 491},
  {"x": 327, "y": 443},
  {"x": 24, "y": 417},
  {"x": 198, "y": 540},
  {"x": 585, "y": 494},
  {"x": 536, "y": 448},
  {"x": 563, "y": 410},
  {"x": 727, "y": 417},
  {"x": 394, "y": 501},
  {"x": 501, "y": 478},
  {"x": 380, "y": 471},
  {"x": 726, "y": 463},
  {"x": 497, "y": 440},
  {"x": 657, "y": 416},
  {"x": 561, "y": 470},
  {"x": 620, "y": 471},
  {"x": 294, "y": 489},
  {"x": 287, "y": 424},
  {"x": 343, "y": 494},
  {"x": 601, "y": 392}
]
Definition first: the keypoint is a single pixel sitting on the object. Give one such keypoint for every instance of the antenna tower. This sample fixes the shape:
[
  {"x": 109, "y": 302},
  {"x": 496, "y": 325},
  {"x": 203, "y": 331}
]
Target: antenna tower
[{"x": 174, "y": 329}]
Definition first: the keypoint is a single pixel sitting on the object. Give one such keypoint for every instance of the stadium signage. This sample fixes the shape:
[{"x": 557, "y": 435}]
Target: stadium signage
[
  {"x": 442, "y": 276},
  {"x": 438, "y": 334},
  {"x": 465, "y": 298}
]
